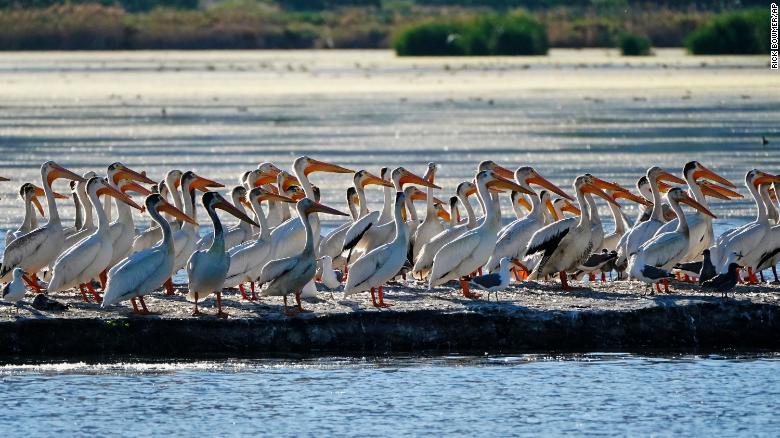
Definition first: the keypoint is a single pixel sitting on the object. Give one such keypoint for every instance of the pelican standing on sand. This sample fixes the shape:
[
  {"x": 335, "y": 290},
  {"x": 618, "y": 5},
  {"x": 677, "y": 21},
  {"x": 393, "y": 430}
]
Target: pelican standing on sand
[
  {"x": 467, "y": 253},
  {"x": 41, "y": 246},
  {"x": 85, "y": 260},
  {"x": 290, "y": 274},
  {"x": 653, "y": 261},
  {"x": 565, "y": 244},
  {"x": 146, "y": 270},
  {"x": 206, "y": 269},
  {"x": 382, "y": 263}
]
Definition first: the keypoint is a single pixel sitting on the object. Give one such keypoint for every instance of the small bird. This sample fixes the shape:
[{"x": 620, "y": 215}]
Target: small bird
[
  {"x": 723, "y": 283},
  {"x": 330, "y": 277},
  {"x": 596, "y": 262},
  {"x": 764, "y": 141},
  {"x": 14, "y": 291},
  {"x": 704, "y": 269},
  {"x": 495, "y": 281}
]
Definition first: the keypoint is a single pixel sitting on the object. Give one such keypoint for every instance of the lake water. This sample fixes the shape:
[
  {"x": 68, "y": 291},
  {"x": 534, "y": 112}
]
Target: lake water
[
  {"x": 615, "y": 394},
  {"x": 221, "y": 113}
]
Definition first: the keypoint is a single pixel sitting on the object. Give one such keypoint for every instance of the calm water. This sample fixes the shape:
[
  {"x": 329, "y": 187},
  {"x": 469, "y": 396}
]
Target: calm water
[{"x": 527, "y": 395}]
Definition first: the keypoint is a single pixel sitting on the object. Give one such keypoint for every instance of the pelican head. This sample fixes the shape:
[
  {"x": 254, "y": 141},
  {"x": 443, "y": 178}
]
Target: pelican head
[
  {"x": 99, "y": 186},
  {"x": 306, "y": 165},
  {"x": 51, "y": 171},
  {"x": 590, "y": 184},
  {"x": 678, "y": 195},
  {"x": 657, "y": 174},
  {"x": 493, "y": 166},
  {"x": 401, "y": 176},
  {"x": 363, "y": 178},
  {"x": 29, "y": 193},
  {"x": 696, "y": 170},
  {"x": 155, "y": 202},
  {"x": 118, "y": 171},
  {"x": 213, "y": 200},
  {"x": 757, "y": 177},
  {"x": 528, "y": 175},
  {"x": 308, "y": 206}
]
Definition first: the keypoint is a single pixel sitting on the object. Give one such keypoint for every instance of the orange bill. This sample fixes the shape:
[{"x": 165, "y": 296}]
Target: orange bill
[
  {"x": 503, "y": 183},
  {"x": 58, "y": 172},
  {"x": 693, "y": 203},
  {"x": 666, "y": 176},
  {"x": 321, "y": 166},
  {"x": 222, "y": 204},
  {"x": 703, "y": 172},
  {"x": 132, "y": 186},
  {"x": 410, "y": 178},
  {"x": 369, "y": 178},
  {"x": 114, "y": 193},
  {"x": 37, "y": 203},
  {"x": 316, "y": 206},
  {"x": 200, "y": 183},
  {"x": 175, "y": 212},
  {"x": 131, "y": 175},
  {"x": 630, "y": 196},
  {"x": 543, "y": 182}
]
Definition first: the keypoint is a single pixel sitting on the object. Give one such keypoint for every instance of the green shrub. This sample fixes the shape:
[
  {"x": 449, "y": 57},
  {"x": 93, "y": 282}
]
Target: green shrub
[
  {"x": 482, "y": 35},
  {"x": 736, "y": 33},
  {"x": 634, "y": 45},
  {"x": 434, "y": 38}
]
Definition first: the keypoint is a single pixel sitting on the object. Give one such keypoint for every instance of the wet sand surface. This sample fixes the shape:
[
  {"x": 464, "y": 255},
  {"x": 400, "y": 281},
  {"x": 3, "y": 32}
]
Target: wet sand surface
[{"x": 618, "y": 296}]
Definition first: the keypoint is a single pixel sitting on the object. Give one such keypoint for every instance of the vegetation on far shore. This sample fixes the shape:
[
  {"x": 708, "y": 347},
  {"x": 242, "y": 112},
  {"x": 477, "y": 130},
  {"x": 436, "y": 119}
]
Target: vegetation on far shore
[{"x": 412, "y": 27}]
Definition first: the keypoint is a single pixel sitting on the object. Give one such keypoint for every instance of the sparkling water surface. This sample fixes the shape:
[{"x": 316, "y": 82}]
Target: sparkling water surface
[{"x": 612, "y": 394}]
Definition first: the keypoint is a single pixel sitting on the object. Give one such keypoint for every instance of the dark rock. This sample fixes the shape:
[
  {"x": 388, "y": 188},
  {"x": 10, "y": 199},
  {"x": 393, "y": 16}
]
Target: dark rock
[
  {"x": 694, "y": 326},
  {"x": 42, "y": 302}
]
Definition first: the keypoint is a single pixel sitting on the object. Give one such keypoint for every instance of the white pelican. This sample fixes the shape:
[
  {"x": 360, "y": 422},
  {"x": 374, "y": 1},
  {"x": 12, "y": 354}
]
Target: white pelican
[
  {"x": 654, "y": 260},
  {"x": 185, "y": 238},
  {"x": 747, "y": 241},
  {"x": 431, "y": 224},
  {"x": 14, "y": 290},
  {"x": 701, "y": 235},
  {"x": 78, "y": 221},
  {"x": 332, "y": 244},
  {"x": 562, "y": 206},
  {"x": 207, "y": 268},
  {"x": 330, "y": 277},
  {"x": 290, "y": 236},
  {"x": 644, "y": 231},
  {"x": 166, "y": 187},
  {"x": 88, "y": 227},
  {"x": 290, "y": 274},
  {"x": 122, "y": 230},
  {"x": 248, "y": 259},
  {"x": 565, "y": 244},
  {"x": 424, "y": 261},
  {"x": 366, "y": 239},
  {"x": 467, "y": 253},
  {"x": 146, "y": 270},
  {"x": 267, "y": 173},
  {"x": 622, "y": 223},
  {"x": 85, "y": 260},
  {"x": 29, "y": 194},
  {"x": 382, "y": 263},
  {"x": 236, "y": 235},
  {"x": 38, "y": 248},
  {"x": 514, "y": 237}
]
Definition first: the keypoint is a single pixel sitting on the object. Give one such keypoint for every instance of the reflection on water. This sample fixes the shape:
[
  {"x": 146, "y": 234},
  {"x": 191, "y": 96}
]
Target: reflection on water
[{"x": 528, "y": 394}]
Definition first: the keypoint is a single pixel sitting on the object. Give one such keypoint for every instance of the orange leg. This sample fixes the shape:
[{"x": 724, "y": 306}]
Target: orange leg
[
  {"x": 252, "y": 285},
  {"x": 517, "y": 275},
  {"x": 220, "y": 313},
  {"x": 564, "y": 281},
  {"x": 244, "y": 296},
  {"x": 135, "y": 306},
  {"x": 464, "y": 285},
  {"x": 196, "y": 312},
  {"x": 33, "y": 283},
  {"x": 603, "y": 277},
  {"x": 287, "y": 310},
  {"x": 592, "y": 277},
  {"x": 752, "y": 279},
  {"x": 83, "y": 293},
  {"x": 169, "y": 286},
  {"x": 679, "y": 276},
  {"x": 373, "y": 298},
  {"x": 480, "y": 270},
  {"x": 94, "y": 293},
  {"x": 658, "y": 287},
  {"x": 666, "y": 286},
  {"x": 143, "y": 305},
  {"x": 382, "y": 299},
  {"x": 103, "y": 279},
  {"x": 298, "y": 302}
]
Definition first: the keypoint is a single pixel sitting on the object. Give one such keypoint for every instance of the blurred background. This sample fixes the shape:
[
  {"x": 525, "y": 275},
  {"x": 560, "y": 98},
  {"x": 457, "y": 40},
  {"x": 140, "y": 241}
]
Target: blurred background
[{"x": 411, "y": 27}]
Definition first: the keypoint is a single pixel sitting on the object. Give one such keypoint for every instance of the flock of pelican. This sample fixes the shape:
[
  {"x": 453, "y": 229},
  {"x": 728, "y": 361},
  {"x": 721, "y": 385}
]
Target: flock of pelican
[{"x": 279, "y": 247}]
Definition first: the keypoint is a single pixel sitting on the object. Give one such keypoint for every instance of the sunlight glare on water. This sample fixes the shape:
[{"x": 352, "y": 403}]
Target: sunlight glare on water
[{"x": 528, "y": 394}]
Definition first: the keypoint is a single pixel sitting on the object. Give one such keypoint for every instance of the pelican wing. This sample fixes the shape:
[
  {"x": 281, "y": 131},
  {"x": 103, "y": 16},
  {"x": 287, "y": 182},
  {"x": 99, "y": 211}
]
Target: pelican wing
[
  {"x": 358, "y": 229},
  {"x": 453, "y": 254},
  {"x": 74, "y": 261},
  {"x": 128, "y": 277},
  {"x": 663, "y": 249},
  {"x": 22, "y": 248},
  {"x": 276, "y": 268},
  {"x": 547, "y": 238}
]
